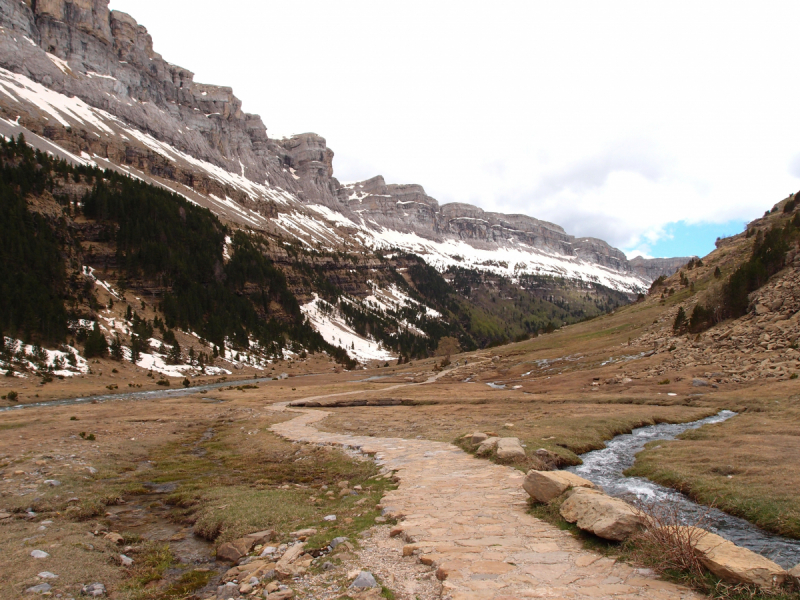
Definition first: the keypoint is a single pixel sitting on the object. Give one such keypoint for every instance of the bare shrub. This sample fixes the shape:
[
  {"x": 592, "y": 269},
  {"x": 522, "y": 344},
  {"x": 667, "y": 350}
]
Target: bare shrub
[{"x": 668, "y": 542}]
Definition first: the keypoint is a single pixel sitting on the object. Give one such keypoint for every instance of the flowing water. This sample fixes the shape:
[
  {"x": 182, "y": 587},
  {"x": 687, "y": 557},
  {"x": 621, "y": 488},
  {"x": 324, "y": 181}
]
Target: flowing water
[
  {"x": 150, "y": 395},
  {"x": 605, "y": 468}
]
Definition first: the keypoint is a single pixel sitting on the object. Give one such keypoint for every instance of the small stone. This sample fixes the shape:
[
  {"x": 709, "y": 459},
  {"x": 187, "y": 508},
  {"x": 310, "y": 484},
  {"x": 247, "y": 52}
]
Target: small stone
[
  {"x": 328, "y": 566},
  {"x": 304, "y": 532},
  {"x": 94, "y": 590},
  {"x": 268, "y": 550},
  {"x": 245, "y": 588},
  {"x": 697, "y": 382},
  {"x": 365, "y": 580},
  {"x": 47, "y": 575},
  {"x": 4, "y": 516},
  {"x": 344, "y": 484},
  {"x": 114, "y": 538},
  {"x": 42, "y": 588},
  {"x": 329, "y": 518},
  {"x": 336, "y": 541},
  {"x": 52, "y": 482},
  {"x": 380, "y": 519},
  {"x": 39, "y": 554},
  {"x": 229, "y": 590},
  {"x": 126, "y": 561},
  {"x": 357, "y": 487}
]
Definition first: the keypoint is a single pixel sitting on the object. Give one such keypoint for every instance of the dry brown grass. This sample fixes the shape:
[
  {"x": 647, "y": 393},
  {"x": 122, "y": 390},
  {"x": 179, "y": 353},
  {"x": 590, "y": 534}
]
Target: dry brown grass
[{"x": 563, "y": 427}]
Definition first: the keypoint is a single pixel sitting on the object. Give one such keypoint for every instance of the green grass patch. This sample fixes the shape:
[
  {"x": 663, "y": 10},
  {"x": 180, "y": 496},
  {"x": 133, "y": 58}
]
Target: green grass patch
[{"x": 8, "y": 426}]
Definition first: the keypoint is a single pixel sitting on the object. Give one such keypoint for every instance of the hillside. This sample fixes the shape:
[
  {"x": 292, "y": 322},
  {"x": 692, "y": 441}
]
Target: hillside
[
  {"x": 89, "y": 81},
  {"x": 84, "y": 85}
]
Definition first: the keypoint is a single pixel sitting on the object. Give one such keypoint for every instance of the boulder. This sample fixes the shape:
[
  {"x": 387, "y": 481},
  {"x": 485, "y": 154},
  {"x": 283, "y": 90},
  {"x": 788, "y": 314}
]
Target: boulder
[
  {"x": 478, "y": 438},
  {"x": 733, "y": 563},
  {"x": 606, "y": 517},
  {"x": 487, "y": 446},
  {"x": 544, "y": 486},
  {"x": 509, "y": 448},
  {"x": 261, "y": 537},
  {"x": 233, "y": 551}
]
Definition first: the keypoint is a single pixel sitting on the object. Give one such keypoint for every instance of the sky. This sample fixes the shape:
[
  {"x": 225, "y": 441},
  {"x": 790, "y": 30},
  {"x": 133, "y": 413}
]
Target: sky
[{"x": 656, "y": 126}]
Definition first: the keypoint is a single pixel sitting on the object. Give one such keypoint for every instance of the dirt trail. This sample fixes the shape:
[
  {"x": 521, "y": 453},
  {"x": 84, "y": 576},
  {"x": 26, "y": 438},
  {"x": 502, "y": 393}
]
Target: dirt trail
[{"x": 467, "y": 518}]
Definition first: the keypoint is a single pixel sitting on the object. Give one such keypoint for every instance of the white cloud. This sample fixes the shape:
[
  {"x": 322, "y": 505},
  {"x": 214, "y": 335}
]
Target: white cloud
[{"x": 609, "y": 118}]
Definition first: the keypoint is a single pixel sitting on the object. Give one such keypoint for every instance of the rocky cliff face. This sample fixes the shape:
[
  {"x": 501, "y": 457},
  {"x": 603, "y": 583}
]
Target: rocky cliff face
[
  {"x": 105, "y": 95},
  {"x": 653, "y": 268}
]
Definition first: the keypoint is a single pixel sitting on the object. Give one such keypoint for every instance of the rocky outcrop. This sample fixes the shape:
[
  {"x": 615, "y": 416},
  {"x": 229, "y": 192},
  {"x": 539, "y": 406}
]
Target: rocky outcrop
[
  {"x": 82, "y": 49},
  {"x": 760, "y": 345},
  {"x": 606, "y": 517},
  {"x": 733, "y": 563},
  {"x": 653, "y": 268},
  {"x": 545, "y": 486}
]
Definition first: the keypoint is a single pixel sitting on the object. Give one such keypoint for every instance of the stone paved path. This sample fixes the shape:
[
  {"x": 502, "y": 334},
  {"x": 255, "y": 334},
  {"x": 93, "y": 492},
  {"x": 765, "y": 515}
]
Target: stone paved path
[{"x": 466, "y": 517}]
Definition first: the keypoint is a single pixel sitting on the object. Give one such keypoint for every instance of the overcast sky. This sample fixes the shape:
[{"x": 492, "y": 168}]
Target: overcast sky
[{"x": 642, "y": 123}]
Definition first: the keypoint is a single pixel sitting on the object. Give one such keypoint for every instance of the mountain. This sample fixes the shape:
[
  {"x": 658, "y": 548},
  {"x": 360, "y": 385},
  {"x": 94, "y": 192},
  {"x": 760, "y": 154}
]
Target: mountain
[{"x": 84, "y": 84}]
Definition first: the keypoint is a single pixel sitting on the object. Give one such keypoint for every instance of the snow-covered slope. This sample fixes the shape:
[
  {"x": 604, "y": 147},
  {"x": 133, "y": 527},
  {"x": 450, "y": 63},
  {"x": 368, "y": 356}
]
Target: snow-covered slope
[
  {"x": 101, "y": 95},
  {"x": 280, "y": 211}
]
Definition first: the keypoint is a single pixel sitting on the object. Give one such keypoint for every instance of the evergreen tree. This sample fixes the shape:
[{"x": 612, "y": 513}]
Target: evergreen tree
[
  {"x": 138, "y": 345},
  {"x": 174, "y": 354},
  {"x": 96, "y": 344},
  {"x": 680, "y": 321},
  {"x": 116, "y": 348}
]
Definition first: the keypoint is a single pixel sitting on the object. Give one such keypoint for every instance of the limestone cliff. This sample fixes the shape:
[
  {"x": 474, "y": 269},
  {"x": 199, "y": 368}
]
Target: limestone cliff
[{"x": 121, "y": 105}]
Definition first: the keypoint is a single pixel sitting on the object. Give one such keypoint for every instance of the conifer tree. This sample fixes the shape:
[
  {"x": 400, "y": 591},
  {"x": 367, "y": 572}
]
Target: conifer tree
[{"x": 96, "y": 344}]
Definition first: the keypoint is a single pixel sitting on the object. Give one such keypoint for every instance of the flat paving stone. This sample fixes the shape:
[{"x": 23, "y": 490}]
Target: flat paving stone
[{"x": 467, "y": 520}]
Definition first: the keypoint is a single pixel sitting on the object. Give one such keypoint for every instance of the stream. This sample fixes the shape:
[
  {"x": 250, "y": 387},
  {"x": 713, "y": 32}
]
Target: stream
[
  {"x": 605, "y": 468},
  {"x": 149, "y": 395}
]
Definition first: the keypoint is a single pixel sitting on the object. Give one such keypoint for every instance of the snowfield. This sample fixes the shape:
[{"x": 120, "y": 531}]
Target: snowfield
[{"x": 337, "y": 332}]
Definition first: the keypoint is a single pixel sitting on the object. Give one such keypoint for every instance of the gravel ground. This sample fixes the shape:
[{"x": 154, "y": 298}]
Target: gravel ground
[{"x": 382, "y": 556}]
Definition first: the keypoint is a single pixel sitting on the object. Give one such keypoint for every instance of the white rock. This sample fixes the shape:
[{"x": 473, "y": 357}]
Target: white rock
[
  {"x": 329, "y": 518},
  {"x": 39, "y": 554}
]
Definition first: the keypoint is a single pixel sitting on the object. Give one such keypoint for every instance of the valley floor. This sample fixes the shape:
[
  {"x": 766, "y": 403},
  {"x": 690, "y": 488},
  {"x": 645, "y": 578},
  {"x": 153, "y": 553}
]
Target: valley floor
[{"x": 170, "y": 473}]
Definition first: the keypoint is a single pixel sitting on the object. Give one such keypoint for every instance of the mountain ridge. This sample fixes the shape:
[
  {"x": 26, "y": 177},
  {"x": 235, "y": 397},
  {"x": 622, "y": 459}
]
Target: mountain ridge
[{"x": 106, "y": 59}]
